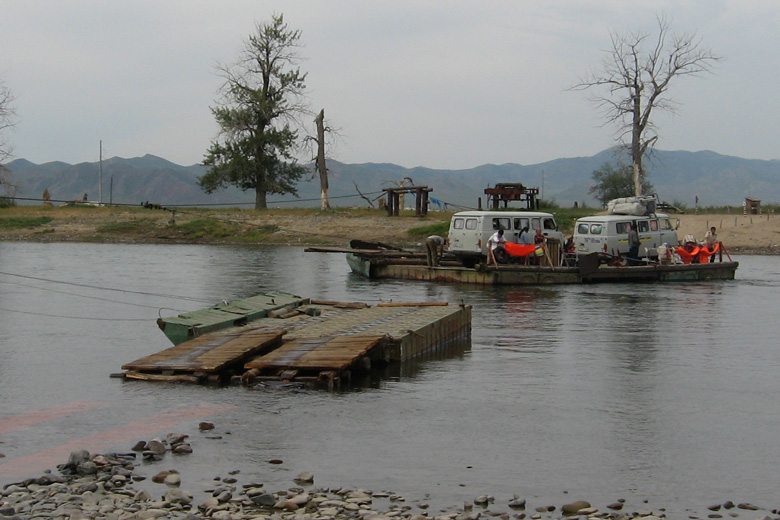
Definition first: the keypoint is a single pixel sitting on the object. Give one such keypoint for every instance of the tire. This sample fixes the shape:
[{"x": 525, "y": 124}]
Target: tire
[{"x": 502, "y": 257}]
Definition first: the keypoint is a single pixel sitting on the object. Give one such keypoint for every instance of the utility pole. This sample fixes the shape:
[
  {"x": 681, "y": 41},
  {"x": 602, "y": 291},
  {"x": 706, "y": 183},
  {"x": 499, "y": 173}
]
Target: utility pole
[{"x": 100, "y": 185}]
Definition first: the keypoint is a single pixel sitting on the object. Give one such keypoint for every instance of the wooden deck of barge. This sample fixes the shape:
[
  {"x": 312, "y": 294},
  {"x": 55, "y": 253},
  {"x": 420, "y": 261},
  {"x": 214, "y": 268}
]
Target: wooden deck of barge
[{"x": 315, "y": 342}]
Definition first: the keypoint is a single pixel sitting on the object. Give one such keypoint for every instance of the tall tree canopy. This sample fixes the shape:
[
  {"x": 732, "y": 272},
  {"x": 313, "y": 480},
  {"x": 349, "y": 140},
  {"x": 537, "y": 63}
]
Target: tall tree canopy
[
  {"x": 259, "y": 99},
  {"x": 635, "y": 78},
  {"x": 614, "y": 182}
]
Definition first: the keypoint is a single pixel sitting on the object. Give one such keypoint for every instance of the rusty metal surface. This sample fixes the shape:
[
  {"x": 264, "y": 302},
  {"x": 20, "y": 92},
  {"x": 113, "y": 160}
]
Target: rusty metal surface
[{"x": 210, "y": 353}]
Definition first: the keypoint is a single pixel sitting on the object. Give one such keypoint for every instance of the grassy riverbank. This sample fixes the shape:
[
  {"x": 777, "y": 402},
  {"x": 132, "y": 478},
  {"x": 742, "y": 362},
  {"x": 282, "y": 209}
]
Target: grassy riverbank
[{"x": 759, "y": 234}]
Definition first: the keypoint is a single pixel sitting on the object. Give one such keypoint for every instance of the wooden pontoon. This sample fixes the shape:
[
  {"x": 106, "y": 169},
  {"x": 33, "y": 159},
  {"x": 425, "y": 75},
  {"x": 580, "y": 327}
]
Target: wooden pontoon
[
  {"x": 321, "y": 342},
  {"x": 595, "y": 268}
]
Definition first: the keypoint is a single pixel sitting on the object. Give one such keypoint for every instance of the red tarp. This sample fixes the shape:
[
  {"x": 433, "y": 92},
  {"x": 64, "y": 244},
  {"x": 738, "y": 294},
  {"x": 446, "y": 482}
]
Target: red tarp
[
  {"x": 700, "y": 252},
  {"x": 519, "y": 249}
]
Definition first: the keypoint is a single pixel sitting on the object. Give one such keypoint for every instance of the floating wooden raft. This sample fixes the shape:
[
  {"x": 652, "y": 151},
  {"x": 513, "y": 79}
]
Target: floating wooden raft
[
  {"x": 320, "y": 341},
  {"x": 205, "y": 356},
  {"x": 329, "y": 349}
]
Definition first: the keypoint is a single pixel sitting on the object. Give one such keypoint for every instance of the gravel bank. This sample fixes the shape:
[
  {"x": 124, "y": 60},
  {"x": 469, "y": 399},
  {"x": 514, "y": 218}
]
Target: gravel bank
[{"x": 103, "y": 486}]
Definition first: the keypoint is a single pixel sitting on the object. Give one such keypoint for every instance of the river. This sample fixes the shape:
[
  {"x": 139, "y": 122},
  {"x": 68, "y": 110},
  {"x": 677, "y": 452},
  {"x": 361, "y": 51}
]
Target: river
[{"x": 665, "y": 395}]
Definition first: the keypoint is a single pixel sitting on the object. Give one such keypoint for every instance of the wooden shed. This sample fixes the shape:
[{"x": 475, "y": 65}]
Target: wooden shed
[{"x": 752, "y": 206}]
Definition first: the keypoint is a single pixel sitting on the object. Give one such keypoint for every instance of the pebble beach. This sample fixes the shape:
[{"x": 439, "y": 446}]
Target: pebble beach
[{"x": 110, "y": 486}]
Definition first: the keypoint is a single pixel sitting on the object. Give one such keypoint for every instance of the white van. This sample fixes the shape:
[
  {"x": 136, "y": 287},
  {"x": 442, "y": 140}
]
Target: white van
[
  {"x": 609, "y": 234},
  {"x": 471, "y": 230}
]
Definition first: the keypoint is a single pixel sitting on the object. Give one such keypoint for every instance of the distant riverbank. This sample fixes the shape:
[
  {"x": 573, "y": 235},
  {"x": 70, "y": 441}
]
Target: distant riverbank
[{"x": 752, "y": 234}]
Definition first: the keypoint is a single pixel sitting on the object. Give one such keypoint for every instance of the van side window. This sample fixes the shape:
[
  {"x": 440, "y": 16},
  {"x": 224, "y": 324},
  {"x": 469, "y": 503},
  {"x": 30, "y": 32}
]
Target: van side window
[
  {"x": 549, "y": 223},
  {"x": 642, "y": 226},
  {"x": 471, "y": 223},
  {"x": 666, "y": 224},
  {"x": 520, "y": 223},
  {"x": 595, "y": 229},
  {"x": 457, "y": 223},
  {"x": 536, "y": 223},
  {"x": 582, "y": 229},
  {"x": 501, "y": 223},
  {"x": 623, "y": 227},
  {"x": 653, "y": 225}
]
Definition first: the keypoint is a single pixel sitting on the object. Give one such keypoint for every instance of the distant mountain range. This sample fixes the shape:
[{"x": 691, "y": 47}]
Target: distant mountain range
[{"x": 678, "y": 177}]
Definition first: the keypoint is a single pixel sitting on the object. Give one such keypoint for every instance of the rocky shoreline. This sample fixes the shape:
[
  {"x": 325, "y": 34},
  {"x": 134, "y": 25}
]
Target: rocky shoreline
[{"x": 102, "y": 486}]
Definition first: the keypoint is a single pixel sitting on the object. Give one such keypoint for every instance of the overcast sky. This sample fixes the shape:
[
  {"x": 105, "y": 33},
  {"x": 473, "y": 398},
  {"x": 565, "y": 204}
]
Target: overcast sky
[{"x": 442, "y": 84}]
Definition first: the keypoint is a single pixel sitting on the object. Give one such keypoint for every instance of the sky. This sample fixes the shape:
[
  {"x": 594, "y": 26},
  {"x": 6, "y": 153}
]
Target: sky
[{"x": 441, "y": 84}]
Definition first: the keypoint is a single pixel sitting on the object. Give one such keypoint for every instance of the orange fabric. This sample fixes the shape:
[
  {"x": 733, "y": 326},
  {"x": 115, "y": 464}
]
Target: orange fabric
[
  {"x": 519, "y": 249},
  {"x": 700, "y": 252}
]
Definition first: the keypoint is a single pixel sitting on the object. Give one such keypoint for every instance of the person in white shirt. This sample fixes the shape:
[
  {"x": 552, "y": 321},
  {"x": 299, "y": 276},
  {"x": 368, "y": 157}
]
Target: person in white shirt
[{"x": 493, "y": 242}]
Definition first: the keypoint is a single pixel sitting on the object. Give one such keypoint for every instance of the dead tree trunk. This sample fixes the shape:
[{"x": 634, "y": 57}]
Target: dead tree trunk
[{"x": 320, "y": 162}]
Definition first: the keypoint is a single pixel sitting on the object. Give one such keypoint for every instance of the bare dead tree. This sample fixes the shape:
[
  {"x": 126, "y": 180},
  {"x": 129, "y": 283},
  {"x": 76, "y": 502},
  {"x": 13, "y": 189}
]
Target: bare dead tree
[
  {"x": 636, "y": 81},
  {"x": 318, "y": 143},
  {"x": 320, "y": 160},
  {"x": 7, "y": 122},
  {"x": 370, "y": 203}
]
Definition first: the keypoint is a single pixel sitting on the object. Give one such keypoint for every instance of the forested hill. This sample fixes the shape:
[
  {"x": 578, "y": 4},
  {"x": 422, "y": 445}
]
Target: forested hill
[{"x": 677, "y": 176}]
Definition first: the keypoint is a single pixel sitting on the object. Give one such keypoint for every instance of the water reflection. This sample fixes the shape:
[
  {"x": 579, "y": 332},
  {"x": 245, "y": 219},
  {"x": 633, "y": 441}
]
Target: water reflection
[{"x": 666, "y": 392}]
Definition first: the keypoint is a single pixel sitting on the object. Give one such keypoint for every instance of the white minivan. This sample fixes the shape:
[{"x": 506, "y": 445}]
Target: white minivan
[
  {"x": 609, "y": 234},
  {"x": 470, "y": 231}
]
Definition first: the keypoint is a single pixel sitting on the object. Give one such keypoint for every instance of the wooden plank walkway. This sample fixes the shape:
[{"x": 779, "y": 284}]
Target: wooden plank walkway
[
  {"x": 209, "y": 354},
  {"x": 317, "y": 354}
]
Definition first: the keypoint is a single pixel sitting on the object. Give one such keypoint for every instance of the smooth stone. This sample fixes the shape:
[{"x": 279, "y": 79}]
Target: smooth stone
[
  {"x": 304, "y": 477},
  {"x": 177, "y": 496},
  {"x": 182, "y": 449},
  {"x": 172, "y": 480},
  {"x": 575, "y": 506},
  {"x": 159, "y": 478},
  {"x": 176, "y": 438},
  {"x": 156, "y": 446},
  {"x": 265, "y": 499}
]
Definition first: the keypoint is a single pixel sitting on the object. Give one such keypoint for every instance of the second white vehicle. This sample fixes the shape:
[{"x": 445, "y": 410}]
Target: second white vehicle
[{"x": 609, "y": 234}]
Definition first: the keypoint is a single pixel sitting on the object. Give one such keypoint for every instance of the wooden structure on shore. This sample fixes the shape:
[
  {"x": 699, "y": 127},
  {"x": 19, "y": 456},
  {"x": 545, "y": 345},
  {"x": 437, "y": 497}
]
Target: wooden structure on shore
[
  {"x": 394, "y": 199},
  {"x": 318, "y": 342},
  {"x": 504, "y": 193}
]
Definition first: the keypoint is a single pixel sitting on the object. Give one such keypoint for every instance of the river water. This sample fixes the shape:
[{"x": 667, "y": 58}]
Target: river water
[{"x": 665, "y": 395}]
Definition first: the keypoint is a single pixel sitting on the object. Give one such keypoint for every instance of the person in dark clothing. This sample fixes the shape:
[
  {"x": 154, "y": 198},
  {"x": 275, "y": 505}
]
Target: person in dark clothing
[{"x": 633, "y": 245}]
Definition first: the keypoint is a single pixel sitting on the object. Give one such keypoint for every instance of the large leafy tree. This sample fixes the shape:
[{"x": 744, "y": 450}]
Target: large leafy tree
[
  {"x": 259, "y": 100},
  {"x": 635, "y": 78},
  {"x": 614, "y": 182}
]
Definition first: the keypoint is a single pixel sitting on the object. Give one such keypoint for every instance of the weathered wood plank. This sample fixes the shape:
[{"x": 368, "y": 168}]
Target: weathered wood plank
[
  {"x": 211, "y": 353},
  {"x": 330, "y": 353}
]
